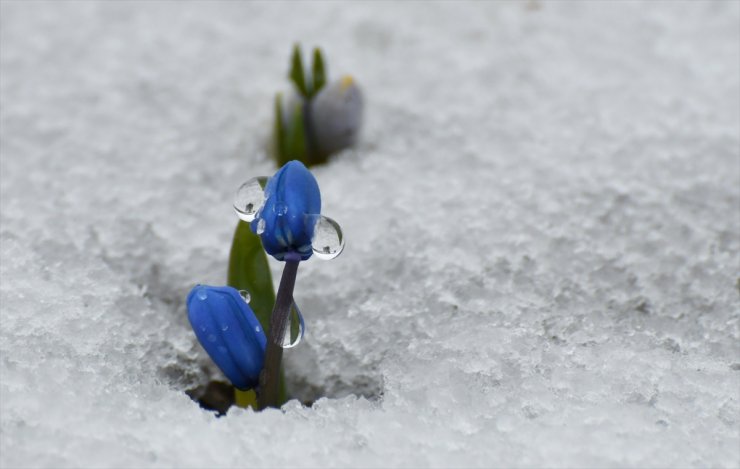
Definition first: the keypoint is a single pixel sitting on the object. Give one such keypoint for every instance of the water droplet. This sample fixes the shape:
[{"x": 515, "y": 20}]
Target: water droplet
[
  {"x": 225, "y": 328},
  {"x": 250, "y": 197},
  {"x": 211, "y": 337},
  {"x": 280, "y": 208},
  {"x": 201, "y": 294},
  {"x": 257, "y": 328},
  {"x": 245, "y": 296},
  {"x": 261, "y": 226},
  {"x": 295, "y": 328},
  {"x": 328, "y": 240}
]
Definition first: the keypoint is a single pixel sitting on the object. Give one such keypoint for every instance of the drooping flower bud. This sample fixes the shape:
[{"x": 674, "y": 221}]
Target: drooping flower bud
[
  {"x": 229, "y": 331},
  {"x": 290, "y": 212}
]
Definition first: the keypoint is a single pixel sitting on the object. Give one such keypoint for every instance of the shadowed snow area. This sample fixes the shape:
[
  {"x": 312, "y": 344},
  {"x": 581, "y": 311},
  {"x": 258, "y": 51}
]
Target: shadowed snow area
[{"x": 542, "y": 223}]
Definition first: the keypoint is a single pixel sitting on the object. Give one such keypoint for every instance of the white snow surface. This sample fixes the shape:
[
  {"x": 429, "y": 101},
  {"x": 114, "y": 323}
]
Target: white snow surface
[{"x": 542, "y": 222}]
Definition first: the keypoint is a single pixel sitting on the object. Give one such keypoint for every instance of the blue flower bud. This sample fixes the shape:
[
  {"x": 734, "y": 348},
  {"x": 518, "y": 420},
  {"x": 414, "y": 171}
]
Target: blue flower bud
[
  {"x": 229, "y": 331},
  {"x": 290, "y": 211}
]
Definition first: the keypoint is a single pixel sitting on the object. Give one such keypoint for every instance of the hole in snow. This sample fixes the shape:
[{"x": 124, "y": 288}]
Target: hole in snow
[
  {"x": 219, "y": 396},
  {"x": 312, "y": 370},
  {"x": 320, "y": 366},
  {"x": 215, "y": 395},
  {"x": 316, "y": 368}
]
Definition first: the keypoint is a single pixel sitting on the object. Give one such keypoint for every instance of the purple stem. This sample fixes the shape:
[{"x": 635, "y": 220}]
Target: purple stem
[{"x": 270, "y": 376}]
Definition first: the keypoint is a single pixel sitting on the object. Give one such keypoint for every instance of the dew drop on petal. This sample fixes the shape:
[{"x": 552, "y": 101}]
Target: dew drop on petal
[
  {"x": 261, "y": 226},
  {"x": 280, "y": 208},
  {"x": 245, "y": 296},
  {"x": 294, "y": 329},
  {"x": 201, "y": 294},
  {"x": 250, "y": 197},
  {"x": 328, "y": 240}
]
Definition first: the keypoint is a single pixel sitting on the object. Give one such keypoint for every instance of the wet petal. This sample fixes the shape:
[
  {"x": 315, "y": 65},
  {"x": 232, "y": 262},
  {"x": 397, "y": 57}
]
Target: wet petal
[
  {"x": 229, "y": 331},
  {"x": 291, "y": 194}
]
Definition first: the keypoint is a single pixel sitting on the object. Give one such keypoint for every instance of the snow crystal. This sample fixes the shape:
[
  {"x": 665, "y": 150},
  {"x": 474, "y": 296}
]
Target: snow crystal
[{"x": 542, "y": 223}]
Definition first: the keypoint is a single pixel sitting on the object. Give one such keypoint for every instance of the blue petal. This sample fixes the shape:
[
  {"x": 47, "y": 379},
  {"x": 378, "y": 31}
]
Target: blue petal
[
  {"x": 291, "y": 194},
  {"x": 229, "y": 331}
]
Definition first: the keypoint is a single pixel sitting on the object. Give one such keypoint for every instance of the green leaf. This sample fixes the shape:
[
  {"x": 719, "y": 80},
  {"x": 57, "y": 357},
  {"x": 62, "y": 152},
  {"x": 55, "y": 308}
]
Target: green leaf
[
  {"x": 318, "y": 72},
  {"x": 297, "y": 75},
  {"x": 279, "y": 133},
  {"x": 246, "y": 398},
  {"x": 296, "y": 146},
  {"x": 249, "y": 270}
]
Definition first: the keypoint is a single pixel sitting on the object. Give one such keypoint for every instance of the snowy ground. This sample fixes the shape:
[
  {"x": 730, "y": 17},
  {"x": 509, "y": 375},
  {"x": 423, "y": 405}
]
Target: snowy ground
[{"x": 543, "y": 224}]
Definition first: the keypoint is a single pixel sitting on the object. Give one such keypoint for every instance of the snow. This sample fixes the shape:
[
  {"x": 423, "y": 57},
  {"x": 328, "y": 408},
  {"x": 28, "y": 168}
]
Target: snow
[{"x": 542, "y": 222}]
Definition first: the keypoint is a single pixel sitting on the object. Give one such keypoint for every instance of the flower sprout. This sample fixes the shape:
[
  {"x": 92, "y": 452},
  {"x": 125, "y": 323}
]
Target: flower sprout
[{"x": 317, "y": 118}]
